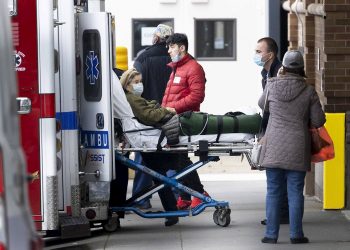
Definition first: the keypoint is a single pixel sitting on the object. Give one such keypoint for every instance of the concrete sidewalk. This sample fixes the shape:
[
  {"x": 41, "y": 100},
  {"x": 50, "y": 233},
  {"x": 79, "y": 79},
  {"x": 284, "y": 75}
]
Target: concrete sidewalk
[{"x": 245, "y": 190}]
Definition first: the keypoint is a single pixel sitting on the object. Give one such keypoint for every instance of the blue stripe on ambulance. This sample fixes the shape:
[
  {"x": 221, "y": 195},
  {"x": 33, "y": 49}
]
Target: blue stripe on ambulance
[{"x": 69, "y": 120}]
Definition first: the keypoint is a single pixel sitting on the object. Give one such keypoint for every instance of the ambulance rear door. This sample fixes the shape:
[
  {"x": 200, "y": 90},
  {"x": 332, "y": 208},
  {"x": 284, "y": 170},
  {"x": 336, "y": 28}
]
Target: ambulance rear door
[
  {"x": 32, "y": 28},
  {"x": 95, "y": 42}
]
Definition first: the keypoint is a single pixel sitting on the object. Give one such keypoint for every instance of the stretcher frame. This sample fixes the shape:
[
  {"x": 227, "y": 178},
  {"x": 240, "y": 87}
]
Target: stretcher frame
[{"x": 207, "y": 152}]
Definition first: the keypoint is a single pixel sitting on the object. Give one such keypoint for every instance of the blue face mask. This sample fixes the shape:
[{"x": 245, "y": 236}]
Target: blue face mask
[
  {"x": 176, "y": 58},
  {"x": 137, "y": 89},
  {"x": 258, "y": 60}
]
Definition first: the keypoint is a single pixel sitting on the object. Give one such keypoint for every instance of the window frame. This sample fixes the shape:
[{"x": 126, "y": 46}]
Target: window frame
[
  {"x": 234, "y": 40},
  {"x": 158, "y": 20},
  {"x": 92, "y": 93}
]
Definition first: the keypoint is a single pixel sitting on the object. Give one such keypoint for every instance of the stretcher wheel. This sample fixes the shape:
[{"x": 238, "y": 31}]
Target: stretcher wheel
[
  {"x": 216, "y": 216},
  {"x": 222, "y": 217},
  {"x": 111, "y": 225}
]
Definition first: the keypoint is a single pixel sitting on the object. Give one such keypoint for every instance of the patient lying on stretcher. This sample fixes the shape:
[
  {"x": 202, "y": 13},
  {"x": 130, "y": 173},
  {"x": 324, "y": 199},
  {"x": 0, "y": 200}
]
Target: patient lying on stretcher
[
  {"x": 129, "y": 105},
  {"x": 186, "y": 124},
  {"x": 147, "y": 112}
]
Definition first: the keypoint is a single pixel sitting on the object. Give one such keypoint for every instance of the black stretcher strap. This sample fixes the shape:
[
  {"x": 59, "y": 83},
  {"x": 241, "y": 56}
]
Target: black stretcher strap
[
  {"x": 139, "y": 130},
  {"x": 205, "y": 124},
  {"x": 235, "y": 124},
  {"x": 220, "y": 126},
  {"x": 160, "y": 139}
]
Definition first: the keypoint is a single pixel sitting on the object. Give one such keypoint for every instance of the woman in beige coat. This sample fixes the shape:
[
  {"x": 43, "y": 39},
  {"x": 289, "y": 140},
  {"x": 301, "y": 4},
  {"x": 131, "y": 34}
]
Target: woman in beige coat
[{"x": 294, "y": 106}]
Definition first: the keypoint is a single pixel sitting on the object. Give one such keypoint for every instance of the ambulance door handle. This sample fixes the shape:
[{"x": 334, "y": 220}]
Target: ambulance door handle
[
  {"x": 57, "y": 23},
  {"x": 24, "y": 105},
  {"x": 97, "y": 173}
]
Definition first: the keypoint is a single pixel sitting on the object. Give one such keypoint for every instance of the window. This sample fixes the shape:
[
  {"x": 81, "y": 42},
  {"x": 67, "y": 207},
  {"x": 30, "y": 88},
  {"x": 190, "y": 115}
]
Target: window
[
  {"x": 92, "y": 66},
  {"x": 142, "y": 32},
  {"x": 215, "y": 39}
]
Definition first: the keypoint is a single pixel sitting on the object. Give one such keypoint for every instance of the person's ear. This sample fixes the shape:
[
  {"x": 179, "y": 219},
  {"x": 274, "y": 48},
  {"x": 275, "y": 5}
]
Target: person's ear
[
  {"x": 129, "y": 86},
  {"x": 182, "y": 48}
]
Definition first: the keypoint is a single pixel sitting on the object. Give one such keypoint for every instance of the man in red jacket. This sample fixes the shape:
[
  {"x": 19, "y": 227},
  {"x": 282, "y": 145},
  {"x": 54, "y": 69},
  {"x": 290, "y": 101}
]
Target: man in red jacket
[
  {"x": 186, "y": 85},
  {"x": 185, "y": 92}
]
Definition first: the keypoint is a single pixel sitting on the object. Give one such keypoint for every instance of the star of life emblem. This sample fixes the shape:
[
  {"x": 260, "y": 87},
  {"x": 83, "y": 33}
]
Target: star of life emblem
[
  {"x": 18, "y": 60},
  {"x": 92, "y": 72}
]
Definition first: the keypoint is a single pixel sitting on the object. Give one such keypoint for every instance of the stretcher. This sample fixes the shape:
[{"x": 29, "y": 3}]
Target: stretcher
[{"x": 141, "y": 138}]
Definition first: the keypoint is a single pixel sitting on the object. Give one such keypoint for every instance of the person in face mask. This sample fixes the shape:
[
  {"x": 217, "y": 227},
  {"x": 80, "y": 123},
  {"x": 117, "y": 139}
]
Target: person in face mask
[
  {"x": 147, "y": 112},
  {"x": 185, "y": 91},
  {"x": 152, "y": 114},
  {"x": 266, "y": 56},
  {"x": 152, "y": 62}
]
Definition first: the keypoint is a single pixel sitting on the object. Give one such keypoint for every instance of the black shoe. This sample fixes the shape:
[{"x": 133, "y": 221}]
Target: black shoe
[
  {"x": 171, "y": 221},
  {"x": 269, "y": 240},
  {"x": 301, "y": 240},
  {"x": 263, "y": 222}
]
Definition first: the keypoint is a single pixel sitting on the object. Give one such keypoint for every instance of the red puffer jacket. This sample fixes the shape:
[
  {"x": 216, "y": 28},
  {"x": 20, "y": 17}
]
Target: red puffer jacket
[{"x": 186, "y": 85}]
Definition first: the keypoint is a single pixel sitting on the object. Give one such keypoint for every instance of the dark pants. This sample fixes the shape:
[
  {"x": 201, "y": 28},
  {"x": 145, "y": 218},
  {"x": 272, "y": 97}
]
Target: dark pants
[
  {"x": 118, "y": 187},
  {"x": 161, "y": 163},
  {"x": 192, "y": 179}
]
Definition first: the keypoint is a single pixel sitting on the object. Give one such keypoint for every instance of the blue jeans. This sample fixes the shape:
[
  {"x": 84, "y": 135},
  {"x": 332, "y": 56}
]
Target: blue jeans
[
  {"x": 276, "y": 179},
  {"x": 141, "y": 180}
]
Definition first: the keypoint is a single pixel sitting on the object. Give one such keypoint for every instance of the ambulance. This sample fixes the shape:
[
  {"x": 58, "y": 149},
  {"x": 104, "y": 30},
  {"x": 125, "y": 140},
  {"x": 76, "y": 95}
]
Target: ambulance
[
  {"x": 64, "y": 55},
  {"x": 16, "y": 226}
]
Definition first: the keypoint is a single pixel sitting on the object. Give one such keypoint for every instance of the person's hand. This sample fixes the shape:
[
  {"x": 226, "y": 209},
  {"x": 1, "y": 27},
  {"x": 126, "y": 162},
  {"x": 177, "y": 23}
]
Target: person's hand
[{"x": 171, "y": 110}]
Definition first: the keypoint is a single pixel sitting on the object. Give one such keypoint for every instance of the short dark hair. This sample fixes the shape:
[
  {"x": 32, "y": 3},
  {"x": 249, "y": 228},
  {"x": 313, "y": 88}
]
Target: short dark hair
[
  {"x": 179, "y": 39},
  {"x": 271, "y": 44}
]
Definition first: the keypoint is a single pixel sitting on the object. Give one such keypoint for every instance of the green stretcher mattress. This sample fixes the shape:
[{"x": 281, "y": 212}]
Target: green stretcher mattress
[{"x": 198, "y": 123}]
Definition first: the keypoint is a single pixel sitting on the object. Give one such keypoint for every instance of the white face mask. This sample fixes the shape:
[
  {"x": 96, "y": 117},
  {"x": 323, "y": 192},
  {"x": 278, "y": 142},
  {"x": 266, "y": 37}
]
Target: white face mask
[
  {"x": 137, "y": 88},
  {"x": 177, "y": 57},
  {"x": 258, "y": 60}
]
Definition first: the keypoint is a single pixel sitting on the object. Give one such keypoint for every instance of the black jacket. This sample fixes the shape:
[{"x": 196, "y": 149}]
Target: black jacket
[
  {"x": 152, "y": 63},
  {"x": 275, "y": 66}
]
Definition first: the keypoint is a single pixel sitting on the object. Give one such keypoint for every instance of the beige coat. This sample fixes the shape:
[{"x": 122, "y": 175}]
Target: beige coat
[{"x": 294, "y": 106}]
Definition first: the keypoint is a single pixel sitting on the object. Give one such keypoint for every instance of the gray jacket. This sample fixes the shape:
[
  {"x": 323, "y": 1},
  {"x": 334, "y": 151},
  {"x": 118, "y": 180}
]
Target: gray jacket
[{"x": 294, "y": 106}]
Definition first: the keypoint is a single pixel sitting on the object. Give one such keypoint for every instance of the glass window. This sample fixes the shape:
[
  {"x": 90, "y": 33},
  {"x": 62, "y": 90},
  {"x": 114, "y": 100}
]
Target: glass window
[
  {"x": 92, "y": 65},
  {"x": 215, "y": 39},
  {"x": 142, "y": 32}
]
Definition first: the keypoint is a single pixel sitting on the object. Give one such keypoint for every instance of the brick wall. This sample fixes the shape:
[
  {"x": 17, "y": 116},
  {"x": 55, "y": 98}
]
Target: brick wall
[
  {"x": 326, "y": 45},
  {"x": 337, "y": 55}
]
